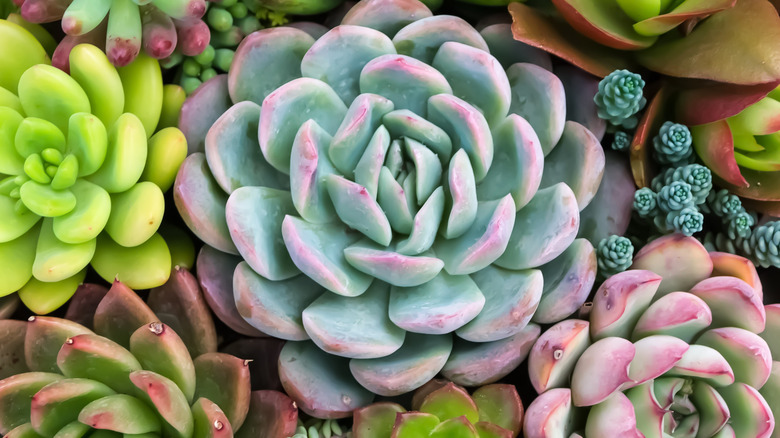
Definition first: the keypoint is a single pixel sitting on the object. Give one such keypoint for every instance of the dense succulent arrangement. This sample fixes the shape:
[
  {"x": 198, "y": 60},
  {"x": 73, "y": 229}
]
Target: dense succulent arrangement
[
  {"x": 654, "y": 360},
  {"x": 416, "y": 182},
  {"x": 132, "y": 374}
]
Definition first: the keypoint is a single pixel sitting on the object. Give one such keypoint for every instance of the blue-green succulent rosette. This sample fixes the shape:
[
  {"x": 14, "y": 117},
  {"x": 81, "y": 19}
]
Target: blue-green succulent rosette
[{"x": 384, "y": 187}]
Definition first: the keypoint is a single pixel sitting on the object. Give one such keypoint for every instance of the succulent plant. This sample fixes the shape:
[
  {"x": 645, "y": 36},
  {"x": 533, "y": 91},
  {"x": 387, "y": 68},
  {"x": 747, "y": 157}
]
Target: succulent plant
[
  {"x": 316, "y": 428},
  {"x": 614, "y": 254},
  {"x": 299, "y": 7},
  {"x": 75, "y": 163},
  {"x": 122, "y": 27},
  {"x": 132, "y": 374},
  {"x": 673, "y": 144},
  {"x": 620, "y": 97},
  {"x": 443, "y": 409},
  {"x": 386, "y": 183},
  {"x": 621, "y": 142},
  {"x": 653, "y": 360}
]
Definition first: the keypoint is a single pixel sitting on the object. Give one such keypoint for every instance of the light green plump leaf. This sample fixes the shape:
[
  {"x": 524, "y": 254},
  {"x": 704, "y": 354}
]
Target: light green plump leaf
[
  {"x": 125, "y": 156},
  {"x": 34, "y": 135},
  {"x": 415, "y": 424},
  {"x": 144, "y": 266},
  {"x": 88, "y": 141},
  {"x": 49, "y": 93},
  {"x": 17, "y": 257},
  {"x": 14, "y": 224},
  {"x": 136, "y": 214},
  {"x": 74, "y": 429},
  {"x": 10, "y": 100},
  {"x": 88, "y": 218},
  {"x": 11, "y": 163},
  {"x": 56, "y": 260},
  {"x": 42, "y": 200},
  {"x": 167, "y": 150},
  {"x": 640, "y": 10}
]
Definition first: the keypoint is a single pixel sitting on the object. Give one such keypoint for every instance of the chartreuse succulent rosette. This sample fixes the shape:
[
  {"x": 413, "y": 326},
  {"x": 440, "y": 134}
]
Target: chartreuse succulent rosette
[
  {"x": 399, "y": 183},
  {"x": 670, "y": 348},
  {"x": 81, "y": 180},
  {"x": 442, "y": 409},
  {"x": 132, "y": 374}
]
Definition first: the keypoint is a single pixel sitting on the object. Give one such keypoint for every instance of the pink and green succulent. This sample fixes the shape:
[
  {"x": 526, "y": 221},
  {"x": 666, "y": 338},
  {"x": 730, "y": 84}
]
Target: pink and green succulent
[
  {"x": 669, "y": 348},
  {"x": 442, "y": 409},
  {"x": 132, "y": 374},
  {"x": 399, "y": 179}
]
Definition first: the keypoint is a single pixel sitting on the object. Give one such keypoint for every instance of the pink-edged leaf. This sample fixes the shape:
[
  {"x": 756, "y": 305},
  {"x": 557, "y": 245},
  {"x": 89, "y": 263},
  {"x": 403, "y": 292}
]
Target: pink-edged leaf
[
  {"x": 642, "y": 165},
  {"x": 423, "y": 391},
  {"x": 271, "y": 414},
  {"x": 682, "y": 262},
  {"x": 224, "y": 379},
  {"x": 655, "y": 355},
  {"x": 601, "y": 371},
  {"x": 120, "y": 313},
  {"x": 500, "y": 405},
  {"x": 701, "y": 103},
  {"x": 714, "y": 144},
  {"x": 733, "y": 302},
  {"x": 12, "y": 348},
  {"x": 605, "y": 23},
  {"x": 84, "y": 303},
  {"x": 688, "y": 10},
  {"x": 552, "y": 415},
  {"x": 726, "y": 264},
  {"x": 376, "y": 419},
  {"x": 554, "y": 355},
  {"x": 759, "y": 186},
  {"x": 201, "y": 109},
  {"x": 620, "y": 301},
  {"x": 746, "y": 54},
  {"x": 556, "y": 37}
]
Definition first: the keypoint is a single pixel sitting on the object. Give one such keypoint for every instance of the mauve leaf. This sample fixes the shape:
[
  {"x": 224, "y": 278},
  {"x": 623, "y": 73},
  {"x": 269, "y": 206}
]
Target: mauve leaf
[
  {"x": 761, "y": 186},
  {"x": 745, "y": 54},
  {"x": 641, "y": 145},
  {"x": 698, "y": 104},
  {"x": 687, "y": 10},
  {"x": 556, "y": 37},
  {"x": 271, "y": 414},
  {"x": 224, "y": 379},
  {"x": 120, "y": 313},
  {"x": 769, "y": 208},
  {"x": 180, "y": 304},
  {"x": 12, "y": 333},
  {"x": 603, "y": 22},
  {"x": 610, "y": 210},
  {"x": 580, "y": 87},
  {"x": 714, "y": 144},
  {"x": 84, "y": 303},
  {"x": 201, "y": 109}
]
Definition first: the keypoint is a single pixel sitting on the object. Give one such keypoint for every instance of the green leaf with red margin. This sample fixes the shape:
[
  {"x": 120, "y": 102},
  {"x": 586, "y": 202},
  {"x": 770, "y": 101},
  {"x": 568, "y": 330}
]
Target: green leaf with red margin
[
  {"x": 642, "y": 166},
  {"x": 271, "y": 414},
  {"x": 500, "y": 404},
  {"x": 714, "y": 144},
  {"x": 762, "y": 186},
  {"x": 376, "y": 419},
  {"x": 698, "y": 103},
  {"x": 737, "y": 45},
  {"x": 603, "y": 22},
  {"x": 689, "y": 9},
  {"x": 556, "y": 37},
  {"x": 413, "y": 424}
]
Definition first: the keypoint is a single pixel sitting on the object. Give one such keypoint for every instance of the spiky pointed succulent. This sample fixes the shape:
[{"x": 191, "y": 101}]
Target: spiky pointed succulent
[
  {"x": 442, "y": 409},
  {"x": 670, "y": 348},
  {"x": 82, "y": 178},
  {"x": 131, "y": 373},
  {"x": 405, "y": 178}
]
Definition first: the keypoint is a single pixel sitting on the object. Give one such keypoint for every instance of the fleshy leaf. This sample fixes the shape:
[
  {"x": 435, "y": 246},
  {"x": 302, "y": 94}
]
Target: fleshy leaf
[
  {"x": 161, "y": 350},
  {"x": 605, "y": 24},
  {"x": 568, "y": 280},
  {"x": 201, "y": 109},
  {"x": 12, "y": 350},
  {"x": 16, "y": 393},
  {"x": 607, "y": 361},
  {"x": 44, "y": 338},
  {"x": 538, "y": 96},
  {"x": 609, "y": 212},
  {"x": 500, "y": 404},
  {"x": 423, "y": 38},
  {"x": 120, "y": 313},
  {"x": 376, "y": 419},
  {"x": 271, "y": 414},
  {"x": 556, "y": 352},
  {"x": 681, "y": 261},
  {"x": 224, "y": 379},
  {"x": 392, "y": 267}
]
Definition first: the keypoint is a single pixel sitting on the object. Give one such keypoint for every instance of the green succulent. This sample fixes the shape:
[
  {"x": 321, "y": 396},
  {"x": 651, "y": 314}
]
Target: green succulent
[{"x": 620, "y": 97}]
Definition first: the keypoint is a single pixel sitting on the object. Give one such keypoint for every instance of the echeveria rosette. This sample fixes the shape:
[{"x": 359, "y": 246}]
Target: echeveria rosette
[
  {"x": 614, "y": 254},
  {"x": 74, "y": 164},
  {"x": 620, "y": 98},
  {"x": 652, "y": 360},
  {"x": 673, "y": 144},
  {"x": 130, "y": 373},
  {"x": 396, "y": 193},
  {"x": 443, "y": 409}
]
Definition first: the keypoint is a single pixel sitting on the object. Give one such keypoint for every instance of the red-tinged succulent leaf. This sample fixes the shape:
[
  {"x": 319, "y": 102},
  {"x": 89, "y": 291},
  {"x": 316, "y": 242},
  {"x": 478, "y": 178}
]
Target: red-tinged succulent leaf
[
  {"x": 500, "y": 404},
  {"x": 12, "y": 348},
  {"x": 714, "y": 144},
  {"x": 429, "y": 387},
  {"x": 710, "y": 53},
  {"x": 459, "y": 427},
  {"x": 555, "y": 353},
  {"x": 732, "y": 265},
  {"x": 23, "y": 431},
  {"x": 605, "y": 362},
  {"x": 224, "y": 379},
  {"x": 95, "y": 357},
  {"x": 771, "y": 333},
  {"x": 414, "y": 424},
  {"x": 688, "y": 10},
  {"x": 375, "y": 420},
  {"x": 580, "y": 87},
  {"x": 488, "y": 430},
  {"x": 210, "y": 421},
  {"x": 610, "y": 210},
  {"x": 84, "y": 304},
  {"x": 201, "y": 109},
  {"x": 653, "y": 356},
  {"x": 480, "y": 363},
  {"x": 8, "y": 305},
  {"x": 620, "y": 301},
  {"x": 160, "y": 349},
  {"x": 568, "y": 280},
  {"x": 320, "y": 383},
  {"x": 180, "y": 304},
  {"x": 450, "y": 401},
  {"x": 769, "y": 208},
  {"x": 606, "y": 24},
  {"x": 679, "y": 314},
  {"x": 59, "y": 403},
  {"x": 747, "y": 353},
  {"x": 750, "y": 414},
  {"x": 169, "y": 402},
  {"x": 642, "y": 143},
  {"x": 681, "y": 261},
  {"x": 271, "y": 414},
  {"x": 733, "y": 302},
  {"x": 699, "y": 104},
  {"x": 614, "y": 417},
  {"x": 704, "y": 363},
  {"x": 760, "y": 186},
  {"x": 120, "y": 413},
  {"x": 264, "y": 355},
  {"x": 43, "y": 340},
  {"x": 215, "y": 275},
  {"x": 552, "y": 415},
  {"x": 120, "y": 314},
  {"x": 556, "y": 37},
  {"x": 16, "y": 392}
]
